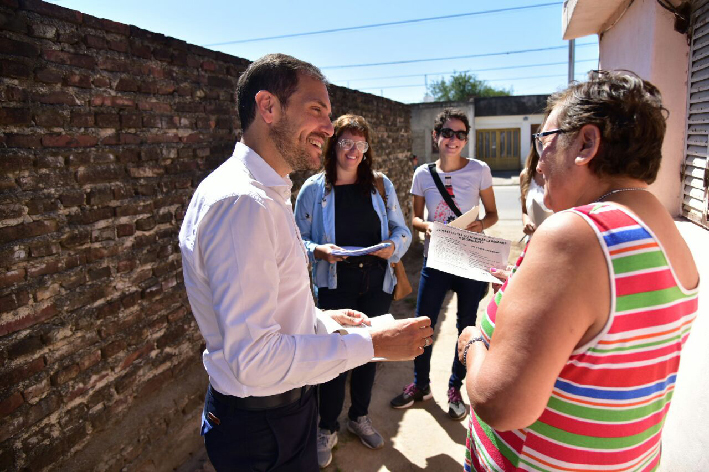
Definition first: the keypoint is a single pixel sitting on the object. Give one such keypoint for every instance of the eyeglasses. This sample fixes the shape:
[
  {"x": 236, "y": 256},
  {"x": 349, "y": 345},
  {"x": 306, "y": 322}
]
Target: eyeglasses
[
  {"x": 347, "y": 144},
  {"x": 449, "y": 133},
  {"x": 538, "y": 141}
]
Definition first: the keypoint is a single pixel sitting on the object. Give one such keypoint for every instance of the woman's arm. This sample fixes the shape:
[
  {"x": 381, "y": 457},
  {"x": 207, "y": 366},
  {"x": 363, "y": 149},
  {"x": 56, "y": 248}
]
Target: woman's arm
[
  {"x": 557, "y": 300},
  {"x": 304, "y": 211},
  {"x": 487, "y": 197},
  {"x": 419, "y": 224},
  {"x": 400, "y": 235}
]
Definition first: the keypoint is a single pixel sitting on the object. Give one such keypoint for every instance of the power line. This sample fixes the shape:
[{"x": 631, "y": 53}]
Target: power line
[
  {"x": 379, "y": 25},
  {"x": 464, "y": 71},
  {"x": 470, "y": 56},
  {"x": 493, "y": 80}
]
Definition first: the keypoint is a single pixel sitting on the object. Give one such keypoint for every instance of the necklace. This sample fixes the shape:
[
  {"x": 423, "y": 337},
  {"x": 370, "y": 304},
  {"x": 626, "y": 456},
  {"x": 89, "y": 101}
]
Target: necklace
[{"x": 612, "y": 192}]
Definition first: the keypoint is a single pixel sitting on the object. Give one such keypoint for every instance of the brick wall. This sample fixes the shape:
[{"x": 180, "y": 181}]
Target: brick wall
[{"x": 106, "y": 131}]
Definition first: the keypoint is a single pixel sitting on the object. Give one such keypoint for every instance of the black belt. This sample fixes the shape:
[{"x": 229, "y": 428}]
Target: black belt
[{"x": 262, "y": 403}]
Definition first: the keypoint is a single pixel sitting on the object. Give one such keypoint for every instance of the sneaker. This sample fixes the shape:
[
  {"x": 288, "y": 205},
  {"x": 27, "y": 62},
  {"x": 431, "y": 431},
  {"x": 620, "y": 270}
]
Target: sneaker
[
  {"x": 411, "y": 394},
  {"x": 366, "y": 432},
  {"x": 326, "y": 441},
  {"x": 456, "y": 407}
]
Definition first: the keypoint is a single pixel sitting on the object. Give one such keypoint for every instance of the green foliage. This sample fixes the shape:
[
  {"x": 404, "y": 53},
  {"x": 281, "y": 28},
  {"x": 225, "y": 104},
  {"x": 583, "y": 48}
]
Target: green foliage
[{"x": 463, "y": 86}]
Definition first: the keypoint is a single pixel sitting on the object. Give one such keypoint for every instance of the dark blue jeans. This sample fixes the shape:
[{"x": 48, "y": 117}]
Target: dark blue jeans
[
  {"x": 279, "y": 439},
  {"x": 433, "y": 287},
  {"x": 359, "y": 288}
]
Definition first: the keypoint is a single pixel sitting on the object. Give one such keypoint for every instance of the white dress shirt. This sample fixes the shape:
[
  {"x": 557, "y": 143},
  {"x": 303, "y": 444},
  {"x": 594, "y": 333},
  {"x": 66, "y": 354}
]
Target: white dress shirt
[{"x": 246, "y": 275}]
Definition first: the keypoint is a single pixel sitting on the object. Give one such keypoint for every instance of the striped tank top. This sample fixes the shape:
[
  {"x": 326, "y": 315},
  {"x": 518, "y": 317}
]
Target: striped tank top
[{"x": 608, "y": 404}]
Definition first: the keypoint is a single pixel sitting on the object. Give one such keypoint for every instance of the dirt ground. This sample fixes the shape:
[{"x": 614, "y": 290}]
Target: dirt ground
[{"x": 420, "y": 438}]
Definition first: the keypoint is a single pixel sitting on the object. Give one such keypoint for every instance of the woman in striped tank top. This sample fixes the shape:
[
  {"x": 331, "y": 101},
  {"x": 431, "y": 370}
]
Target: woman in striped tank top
[{"x": 585, "y": 336}]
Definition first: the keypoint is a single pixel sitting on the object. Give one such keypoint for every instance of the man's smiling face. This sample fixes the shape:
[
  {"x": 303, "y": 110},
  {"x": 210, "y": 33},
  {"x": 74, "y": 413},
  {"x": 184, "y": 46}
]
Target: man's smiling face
[{"x": 304, "y": 126}]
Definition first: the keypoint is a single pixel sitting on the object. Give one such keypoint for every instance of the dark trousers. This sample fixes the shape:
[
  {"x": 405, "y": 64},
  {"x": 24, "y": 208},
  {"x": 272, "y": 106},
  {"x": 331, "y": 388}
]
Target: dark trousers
[
  {"x": 279, "y": 439},
  {"x": 359, "y": 288},
  {"x": 433, "y": 287}
]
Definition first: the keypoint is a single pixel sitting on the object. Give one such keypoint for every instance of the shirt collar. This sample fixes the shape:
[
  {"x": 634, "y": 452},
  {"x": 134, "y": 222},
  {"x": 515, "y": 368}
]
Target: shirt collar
[{"x": 261, "y": 171}]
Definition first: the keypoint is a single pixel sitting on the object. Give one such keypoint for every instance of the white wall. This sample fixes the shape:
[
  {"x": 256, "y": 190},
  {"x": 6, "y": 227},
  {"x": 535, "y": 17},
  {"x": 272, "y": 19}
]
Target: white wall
[{"x": 511, "y": 121}]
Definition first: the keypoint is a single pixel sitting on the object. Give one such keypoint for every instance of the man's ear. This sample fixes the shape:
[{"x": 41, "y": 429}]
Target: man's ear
[
  {"x": 267, "y": 106},
  {"x": 590, "y": 140}
]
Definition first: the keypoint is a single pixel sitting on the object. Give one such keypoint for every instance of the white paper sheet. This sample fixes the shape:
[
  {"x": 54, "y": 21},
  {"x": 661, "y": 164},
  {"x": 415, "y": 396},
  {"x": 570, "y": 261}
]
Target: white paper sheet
[
  {"x": 359, "y": 251},
  {"x": 465, "y": 253},
  {"x": 466, "y": 218}
]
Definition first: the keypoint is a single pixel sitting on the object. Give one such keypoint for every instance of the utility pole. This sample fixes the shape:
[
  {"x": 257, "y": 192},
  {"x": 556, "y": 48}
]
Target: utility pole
[{"x": 572, "y": 43}]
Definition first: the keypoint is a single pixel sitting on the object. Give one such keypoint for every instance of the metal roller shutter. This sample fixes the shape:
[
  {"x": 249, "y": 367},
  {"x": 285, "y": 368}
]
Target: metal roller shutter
[{"x": 696, "y": 159}]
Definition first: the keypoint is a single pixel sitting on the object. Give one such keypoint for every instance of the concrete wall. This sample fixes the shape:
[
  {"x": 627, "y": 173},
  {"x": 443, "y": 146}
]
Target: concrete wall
[
  {"x": 106, "y": 131},
  {"x": 524, "y": 123},
  {"x": 644, "y": 41}
]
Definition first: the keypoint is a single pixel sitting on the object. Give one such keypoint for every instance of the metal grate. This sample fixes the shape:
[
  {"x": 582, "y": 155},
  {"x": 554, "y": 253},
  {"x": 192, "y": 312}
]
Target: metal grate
[{"x": 696, "y": 159}]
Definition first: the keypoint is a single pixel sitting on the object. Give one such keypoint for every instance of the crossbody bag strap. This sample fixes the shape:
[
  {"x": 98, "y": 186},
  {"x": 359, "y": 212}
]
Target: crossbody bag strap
[{"x": 442, "y": 189}]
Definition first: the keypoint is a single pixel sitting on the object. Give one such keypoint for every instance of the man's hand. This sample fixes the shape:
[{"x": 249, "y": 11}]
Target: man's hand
[
  {"x": 386, "y": 252},
  {"x": 324, "y": 252},
  {"x": 403, "y": 340},
  {"x": 468, "y": 333},
  {"x": 347, "y": 317}
]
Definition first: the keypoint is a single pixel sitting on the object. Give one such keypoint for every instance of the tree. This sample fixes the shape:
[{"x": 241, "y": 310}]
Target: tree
[{"x": 463, "y": 86}]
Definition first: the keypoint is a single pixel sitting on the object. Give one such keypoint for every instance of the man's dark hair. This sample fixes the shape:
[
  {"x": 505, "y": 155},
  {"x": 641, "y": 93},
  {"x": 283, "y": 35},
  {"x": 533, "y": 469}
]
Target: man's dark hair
[
  {"x": 275, "y": 73},
  {"x": 447, "y": 114},
  {"x": 629, "y": 114}
]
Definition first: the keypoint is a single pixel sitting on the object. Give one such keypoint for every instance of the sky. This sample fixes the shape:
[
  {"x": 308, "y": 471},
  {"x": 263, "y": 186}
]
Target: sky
[{"x": 435, "y": 46}]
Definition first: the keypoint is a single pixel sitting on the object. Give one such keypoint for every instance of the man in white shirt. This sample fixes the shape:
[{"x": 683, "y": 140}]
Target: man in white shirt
[{"x": 246, "y": 276}]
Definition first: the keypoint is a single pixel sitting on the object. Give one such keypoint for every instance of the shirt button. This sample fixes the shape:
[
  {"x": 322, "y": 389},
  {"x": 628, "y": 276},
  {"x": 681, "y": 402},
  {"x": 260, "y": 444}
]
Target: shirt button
[{"x": 361, "y": 265}]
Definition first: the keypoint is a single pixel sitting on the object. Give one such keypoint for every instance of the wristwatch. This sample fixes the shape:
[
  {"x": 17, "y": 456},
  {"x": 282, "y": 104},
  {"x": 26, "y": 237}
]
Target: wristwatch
[{"x": 467, "y": 346}]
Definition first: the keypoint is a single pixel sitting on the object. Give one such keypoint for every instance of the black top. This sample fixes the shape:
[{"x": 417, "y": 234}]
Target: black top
[{"x": 356, "y": 221}]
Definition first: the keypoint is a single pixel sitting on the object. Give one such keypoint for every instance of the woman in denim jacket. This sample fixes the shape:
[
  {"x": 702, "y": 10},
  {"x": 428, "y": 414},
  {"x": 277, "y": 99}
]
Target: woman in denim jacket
[{"x": 341, "y": 207}]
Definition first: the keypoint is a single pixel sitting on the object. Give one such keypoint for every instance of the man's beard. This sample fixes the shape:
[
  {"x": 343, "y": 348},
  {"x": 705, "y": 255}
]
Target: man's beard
[{"x": 297, "y": 157}]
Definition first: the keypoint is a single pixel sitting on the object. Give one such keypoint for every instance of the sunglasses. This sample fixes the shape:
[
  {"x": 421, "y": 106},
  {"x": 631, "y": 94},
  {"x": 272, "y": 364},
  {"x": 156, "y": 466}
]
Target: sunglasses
[
  {"x": 449, "y": 133},
  {"x": 347, "y": 144}
]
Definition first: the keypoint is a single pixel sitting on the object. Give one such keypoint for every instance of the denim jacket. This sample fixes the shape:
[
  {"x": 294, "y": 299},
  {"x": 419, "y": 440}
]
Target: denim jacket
[{"x": 315, "y": 217}]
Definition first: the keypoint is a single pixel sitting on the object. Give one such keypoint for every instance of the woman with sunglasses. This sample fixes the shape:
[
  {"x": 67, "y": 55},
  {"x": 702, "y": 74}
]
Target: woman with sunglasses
[
  {"x": 468, "y": 182},
  {"x": 342, "y": 207},
  {"x": 576, "y": 363}
]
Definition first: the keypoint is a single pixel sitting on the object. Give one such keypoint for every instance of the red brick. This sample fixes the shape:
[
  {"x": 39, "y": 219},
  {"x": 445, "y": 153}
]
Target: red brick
[
  {"x": 60, "y": 140},
  {"x": 96, "y": 42},
  {"x": 135, "y": 355},
  {"x": 78, "y": 80},
  {"x": 49, "y": 75},
  {"x": 127, "y": 84},
  {"x": 74, "y": 198},
  {"x": 113, "y": 348},
  {"x": 68, "y": 59},
  {"x": 35, "y": 392},
  {"x": 57, "y": 98},
  {"x": 209, "y": 66},
  {"x": 118, "y": 45},
  {"x": 48, "y": 9},
  {"x": 112, "y": 101},
  {"x": 159, "y": 107},
  {"x": 24, "y": 141},
  {"x": 163, "y": 138},
  {"x": 18, "y": 48},
  {"x": 131, "y": 120},
  {"x": 107, "y": 120},
  {"x": 166, "y": 89},
  {"x": 23, "y": 372},
  {"x": 65, "y": 375},
  {"x": 50, "y": 118},
  {"x": 141, "y": 50},
  {"x": 124, "y": 230},
  {"x": 102, "y": 82},
  {"x": 14, "y": 116},
  {"x": 44, "y": 268},
  {"x": 126, "y": 266},
  {"x": 86, "y": 217},
  {"x": 10, "y": 404},
  {"x": 44, "y": 248},
  {"x": 27, "y": 230},
  {"x": 14, "y": 69},
  {"x": 82, "y": 119},
  {"x": 44, "y": 31},
  {"x": 114, "y": 65},
  {"x": 90, "y": 359},
  {"x": 107, "y": 25},
  {"x": 14, "y": 301},
  {"x": 12, "y": 277}
]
